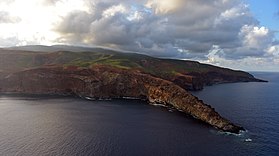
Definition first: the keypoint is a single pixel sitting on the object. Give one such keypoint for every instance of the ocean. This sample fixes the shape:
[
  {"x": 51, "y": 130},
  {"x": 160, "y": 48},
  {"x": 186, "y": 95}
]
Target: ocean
[{"x": 49, "y": 125}]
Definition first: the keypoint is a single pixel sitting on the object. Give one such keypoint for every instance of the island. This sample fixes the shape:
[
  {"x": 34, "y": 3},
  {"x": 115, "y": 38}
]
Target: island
[{"x": 96, "y": 73}]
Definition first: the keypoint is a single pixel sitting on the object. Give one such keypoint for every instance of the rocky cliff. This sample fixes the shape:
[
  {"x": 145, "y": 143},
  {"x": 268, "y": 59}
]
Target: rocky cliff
[
  {"x": 107, "y": 82},
  {"x": 101, "y": 74}
]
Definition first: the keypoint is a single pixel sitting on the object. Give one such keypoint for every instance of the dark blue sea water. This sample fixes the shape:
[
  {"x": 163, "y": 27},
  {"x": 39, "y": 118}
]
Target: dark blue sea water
[{"x": 31, "y": 126}]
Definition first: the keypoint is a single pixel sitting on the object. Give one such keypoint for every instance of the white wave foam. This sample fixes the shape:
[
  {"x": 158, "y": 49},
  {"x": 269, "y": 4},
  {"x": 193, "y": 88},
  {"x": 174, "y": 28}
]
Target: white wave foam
[
  {"x": 130, "y": 98},
  {"x": 158, "y": 105},
  {"x": 89, "y": 98},
  {"x": 248, "y": 140}
]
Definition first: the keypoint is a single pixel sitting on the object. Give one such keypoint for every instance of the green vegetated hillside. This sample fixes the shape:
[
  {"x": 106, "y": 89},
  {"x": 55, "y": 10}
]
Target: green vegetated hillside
[{"x": 178, "y": 71}]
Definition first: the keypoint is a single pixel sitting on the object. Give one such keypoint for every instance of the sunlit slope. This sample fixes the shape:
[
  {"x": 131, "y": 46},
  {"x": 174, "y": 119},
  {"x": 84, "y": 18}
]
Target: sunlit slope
[
  {"x": 18, "y": 60},
  {"x": 178, "y": 71}
]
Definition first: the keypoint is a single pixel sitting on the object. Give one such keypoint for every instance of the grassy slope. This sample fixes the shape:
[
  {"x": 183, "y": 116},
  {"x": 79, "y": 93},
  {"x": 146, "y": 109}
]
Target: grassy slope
[{"x": 19, "y": 60}]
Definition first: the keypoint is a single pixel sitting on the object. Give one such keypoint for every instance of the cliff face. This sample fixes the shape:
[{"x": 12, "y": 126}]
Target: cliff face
[
  {"x": 196, "y": 81},
  {"x": 108, "y": 82},
  {"x": 110, "y": 74}
]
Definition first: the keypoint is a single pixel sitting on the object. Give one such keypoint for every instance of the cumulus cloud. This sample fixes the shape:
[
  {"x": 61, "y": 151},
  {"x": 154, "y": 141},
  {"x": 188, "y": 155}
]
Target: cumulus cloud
[
  {"x": 168, "y": 28},
  {"x": 254, "y": 42},
  {"x": 164, "y": 6}
]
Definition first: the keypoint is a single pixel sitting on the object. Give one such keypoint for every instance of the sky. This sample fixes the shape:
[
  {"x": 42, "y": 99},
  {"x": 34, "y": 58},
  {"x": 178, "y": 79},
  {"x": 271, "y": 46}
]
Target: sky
[{"x": 239, "y": 34}]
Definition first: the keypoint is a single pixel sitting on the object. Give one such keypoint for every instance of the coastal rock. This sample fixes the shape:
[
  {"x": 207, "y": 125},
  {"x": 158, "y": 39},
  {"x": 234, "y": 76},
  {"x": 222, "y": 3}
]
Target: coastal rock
[{"x": 101, "y": 82}]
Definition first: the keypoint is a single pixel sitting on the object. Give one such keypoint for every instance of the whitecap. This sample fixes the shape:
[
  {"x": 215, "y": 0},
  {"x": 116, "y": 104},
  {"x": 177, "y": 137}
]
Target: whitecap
[
  {"x": 130, "y": 98},
  {"x": 159, "y": 105},
  {"x": 89, "y": 98},
  {"x": 248, "y": 140},
  {"x": 241, "y": 133}
]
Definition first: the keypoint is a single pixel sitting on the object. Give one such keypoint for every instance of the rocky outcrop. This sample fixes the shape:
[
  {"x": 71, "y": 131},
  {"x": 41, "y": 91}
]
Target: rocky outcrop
[
  {"x": 196, "y": 81},
  {"x": 107, "y": 82}
]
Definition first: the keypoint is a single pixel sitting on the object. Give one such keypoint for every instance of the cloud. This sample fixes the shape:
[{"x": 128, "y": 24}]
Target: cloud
[
  {"x": 5, "y": 17},
  {"x": 160, "y": 27},
  {"x": 7, "y": 42},
  {"x": 164, "y": 6},
  {"x": 50, "y": 2},
  {"x": 255, "y": 36},
  {"x": 77, "y": 22},
  {"x": 255, "y": 42}
]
